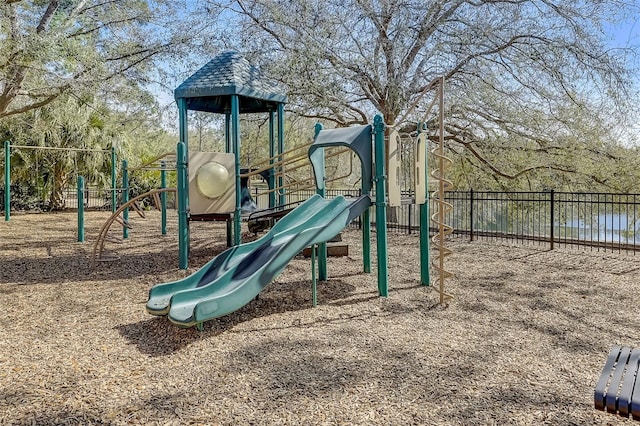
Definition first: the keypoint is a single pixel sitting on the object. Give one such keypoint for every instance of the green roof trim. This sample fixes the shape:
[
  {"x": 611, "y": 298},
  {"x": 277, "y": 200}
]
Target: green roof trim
[{"x": 211, "y": 87}]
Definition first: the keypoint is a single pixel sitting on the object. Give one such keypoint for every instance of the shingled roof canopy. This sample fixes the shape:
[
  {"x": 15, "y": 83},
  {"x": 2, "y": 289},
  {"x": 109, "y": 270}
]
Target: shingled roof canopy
[{"x": 211, "y": 87}]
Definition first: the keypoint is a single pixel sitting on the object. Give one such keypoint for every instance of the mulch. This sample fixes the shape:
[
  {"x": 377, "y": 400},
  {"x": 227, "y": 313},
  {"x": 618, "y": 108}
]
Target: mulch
[{"x": 522, "y": 342}]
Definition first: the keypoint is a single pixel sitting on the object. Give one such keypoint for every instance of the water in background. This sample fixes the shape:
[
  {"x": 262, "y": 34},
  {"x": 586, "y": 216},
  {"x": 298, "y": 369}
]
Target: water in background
[{"x": 609, "y": 228}]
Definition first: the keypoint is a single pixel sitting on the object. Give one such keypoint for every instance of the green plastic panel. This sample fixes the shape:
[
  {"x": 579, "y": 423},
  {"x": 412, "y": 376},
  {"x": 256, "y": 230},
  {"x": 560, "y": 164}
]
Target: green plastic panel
[{"x": 357, "y": 138}]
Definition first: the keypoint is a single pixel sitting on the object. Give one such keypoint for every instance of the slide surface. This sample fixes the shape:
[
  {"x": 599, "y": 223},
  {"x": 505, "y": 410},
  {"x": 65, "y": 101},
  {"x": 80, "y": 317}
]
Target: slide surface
[{"x": 233, "y": 278}]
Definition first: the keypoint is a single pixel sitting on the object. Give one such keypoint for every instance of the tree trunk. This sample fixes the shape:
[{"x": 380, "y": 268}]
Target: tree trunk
[{"x": 60, "y": 180}]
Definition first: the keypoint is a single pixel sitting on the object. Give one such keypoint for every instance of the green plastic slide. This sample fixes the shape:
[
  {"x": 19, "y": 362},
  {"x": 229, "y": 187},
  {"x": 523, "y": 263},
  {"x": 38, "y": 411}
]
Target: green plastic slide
[{"x": 237, "y": 275}]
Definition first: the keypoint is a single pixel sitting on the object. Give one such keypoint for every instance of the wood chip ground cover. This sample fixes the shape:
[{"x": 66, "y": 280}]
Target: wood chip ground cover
[{"x": 523, "y": 341}]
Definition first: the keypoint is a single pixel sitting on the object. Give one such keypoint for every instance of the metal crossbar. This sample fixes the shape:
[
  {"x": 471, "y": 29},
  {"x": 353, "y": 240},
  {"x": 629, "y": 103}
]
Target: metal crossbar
[{"x": 58, "y": 148}]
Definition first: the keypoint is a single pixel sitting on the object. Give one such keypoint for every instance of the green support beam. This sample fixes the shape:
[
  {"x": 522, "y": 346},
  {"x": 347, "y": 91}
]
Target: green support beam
[
  {"x": 125, "y": 198},
  {"x": 7, "y": 181},
  {"x": 228, "y": 148},
  {"x": 425, "y": 278},
  {"x": 314, "y": 281},
  {"x": 183, "y": 227},
  {"x": 283, "y": 196},
  {"x": 381, "y": 205},
  {"x": 183, "y": 185},
  {"x": 424, "y": 244},
  {"x": 322, "y": 247},
  {"x": 235, "y": 130},
  {"x": 271, "y": 183},
  {"x": 163, "y": 197},
  {"x": 114, "y": 180},
  {"x": 80, "y": 209}
]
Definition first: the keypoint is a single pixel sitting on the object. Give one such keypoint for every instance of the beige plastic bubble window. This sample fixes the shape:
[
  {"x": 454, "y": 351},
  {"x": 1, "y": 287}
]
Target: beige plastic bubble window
[{"x": 212, "y": 182}]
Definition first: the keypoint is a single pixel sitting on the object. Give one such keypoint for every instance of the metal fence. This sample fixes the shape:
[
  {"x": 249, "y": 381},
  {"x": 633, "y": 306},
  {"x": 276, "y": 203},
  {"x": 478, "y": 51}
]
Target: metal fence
[
  {"x": 603, "y": 221},
  {"x": 94, "y": 199}
]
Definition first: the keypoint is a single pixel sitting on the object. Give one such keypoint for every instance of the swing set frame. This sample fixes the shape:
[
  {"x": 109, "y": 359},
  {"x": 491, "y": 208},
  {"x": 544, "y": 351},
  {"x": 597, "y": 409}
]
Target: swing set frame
[{"x": 7, "y": 170}]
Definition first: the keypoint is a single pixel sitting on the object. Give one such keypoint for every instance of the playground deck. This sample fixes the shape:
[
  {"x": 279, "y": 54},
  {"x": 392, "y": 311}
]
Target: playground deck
[{"x": 522, "y": 342}]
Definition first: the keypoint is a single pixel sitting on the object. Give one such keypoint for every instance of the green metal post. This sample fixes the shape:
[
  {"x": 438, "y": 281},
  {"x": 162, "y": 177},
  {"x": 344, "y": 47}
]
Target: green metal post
[
  {"x": 381, "y": 206},
  {"x": 183, "y": 184},
  {"x": 314, "y": 281},
  {"x": 366, "y": 240},
  {"x": 227, "y": 134},
  {"x": 7, "y": 181},
  {"x": 322, "y": 247},
  {"x": 114, "y": 192},
  {"x": 283, "y": 195},
  {"x": 228, "y": 148},
  {"x": 424, "y": 221},
  {"x": 272, "y": 152},
  {"x": 80, "y": 209},
  {"x": 183, "y": 230},
  {"x": 163, "y": 197},
  {"x": 424, "y": 243},
  {"x": 235, "y": 130},
  {"x": 125, "y": 198}
]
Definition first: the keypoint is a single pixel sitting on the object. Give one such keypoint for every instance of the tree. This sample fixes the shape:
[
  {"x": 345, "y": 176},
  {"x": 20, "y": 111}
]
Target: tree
[
  {"x": 87, "y": 126},
  {"x": 79, "y": 74},
  {"x": 77, "y": 46},
  {"x": 514, "y": 70},
  {"x": 64, "y": 123}
]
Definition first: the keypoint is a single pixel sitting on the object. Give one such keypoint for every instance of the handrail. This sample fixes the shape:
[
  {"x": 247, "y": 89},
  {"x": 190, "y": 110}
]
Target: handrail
[{"x": 152, "y": 161}]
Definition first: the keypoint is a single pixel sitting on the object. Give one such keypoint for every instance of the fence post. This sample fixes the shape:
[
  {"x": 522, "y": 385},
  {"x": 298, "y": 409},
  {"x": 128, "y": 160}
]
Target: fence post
[
  {"x": 125, "y": 198},
  {"x": 113, "y": 180},
  {"x": 552, "y": 214},
  {"x": 7, "y": 181},
  {"x": 163, "y": 197},
  {"x": 80, "y": 209},
  {"x": 471, "y": 214}
]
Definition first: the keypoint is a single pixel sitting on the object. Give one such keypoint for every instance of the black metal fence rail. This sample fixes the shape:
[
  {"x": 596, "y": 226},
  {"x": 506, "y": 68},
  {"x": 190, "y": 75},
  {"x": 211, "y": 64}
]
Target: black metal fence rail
[
  {"x": 594, "y": 220},
  {"x": 603, "y": 221},
  {"x": 93, "y": 199}
]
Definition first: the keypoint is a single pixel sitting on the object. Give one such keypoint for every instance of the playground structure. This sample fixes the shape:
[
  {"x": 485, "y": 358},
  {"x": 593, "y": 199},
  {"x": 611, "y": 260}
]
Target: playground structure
[
  {"x": 235, "y": 277},
  {"x": 229, "y": 85},
  {"x": 209, "y": 187}
]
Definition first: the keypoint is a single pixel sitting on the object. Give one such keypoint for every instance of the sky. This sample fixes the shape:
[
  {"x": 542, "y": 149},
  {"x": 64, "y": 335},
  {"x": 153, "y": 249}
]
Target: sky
[{"x": 625, "y": 34}]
